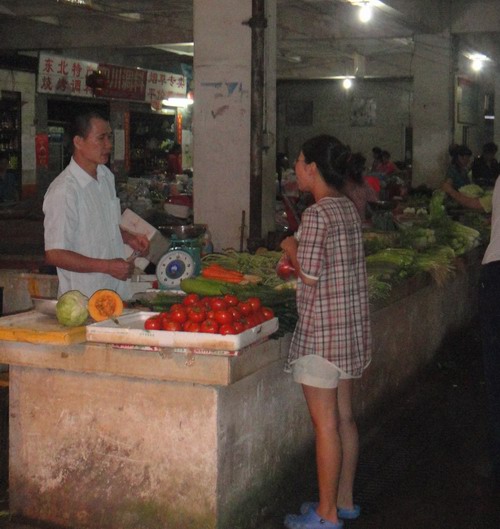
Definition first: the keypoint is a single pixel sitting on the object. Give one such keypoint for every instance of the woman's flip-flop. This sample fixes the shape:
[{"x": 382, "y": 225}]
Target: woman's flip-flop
[
  {"x": 345, "y": 514},
  {"x": 310, "y": 520}
]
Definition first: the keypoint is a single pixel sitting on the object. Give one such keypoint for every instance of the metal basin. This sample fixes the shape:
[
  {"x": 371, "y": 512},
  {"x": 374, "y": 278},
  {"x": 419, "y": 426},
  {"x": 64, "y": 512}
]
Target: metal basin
[
  {"x": 44, "y": 305},
  {"x": 183, "y": 231}
]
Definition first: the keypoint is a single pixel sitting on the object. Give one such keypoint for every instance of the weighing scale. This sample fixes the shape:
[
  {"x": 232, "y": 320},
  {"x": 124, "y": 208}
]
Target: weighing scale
[{"x": 183, "y": 258}]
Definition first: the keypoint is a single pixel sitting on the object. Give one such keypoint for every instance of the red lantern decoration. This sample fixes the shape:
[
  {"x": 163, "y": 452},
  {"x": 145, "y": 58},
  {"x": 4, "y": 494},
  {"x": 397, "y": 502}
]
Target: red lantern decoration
[{"x": 97, "y": 82}]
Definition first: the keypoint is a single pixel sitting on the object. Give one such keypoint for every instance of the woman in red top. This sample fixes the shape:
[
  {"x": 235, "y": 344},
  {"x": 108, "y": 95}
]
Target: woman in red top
[
  {"x": 357, "y": 188},
  {"x": 387, "y": 166}
]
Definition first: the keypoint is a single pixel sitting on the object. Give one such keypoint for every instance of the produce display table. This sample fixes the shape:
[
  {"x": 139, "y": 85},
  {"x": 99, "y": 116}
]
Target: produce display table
[
  {"x": 110, "y": 438},
  {"x": 105, "y": 437}
]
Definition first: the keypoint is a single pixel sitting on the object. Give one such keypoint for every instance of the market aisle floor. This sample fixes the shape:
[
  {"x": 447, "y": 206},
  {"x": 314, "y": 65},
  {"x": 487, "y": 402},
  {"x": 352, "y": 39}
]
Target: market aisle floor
[{"x": 425, "y": 466}]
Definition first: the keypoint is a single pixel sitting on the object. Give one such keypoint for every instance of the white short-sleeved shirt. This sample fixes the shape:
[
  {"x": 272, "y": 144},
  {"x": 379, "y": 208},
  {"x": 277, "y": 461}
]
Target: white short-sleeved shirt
[{"x": 82, "y": 214}]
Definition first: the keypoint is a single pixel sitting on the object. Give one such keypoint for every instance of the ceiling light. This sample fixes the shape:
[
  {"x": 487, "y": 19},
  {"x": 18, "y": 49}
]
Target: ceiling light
[
  {"x": 87, "y": 3},
  {"x": 131, "y": 17},
  {"x": 181, "y": 102},
  {"x": 365, "y": 13},
  {"x": 347, "y": 83},
  {"x": 477, "y": 65}
]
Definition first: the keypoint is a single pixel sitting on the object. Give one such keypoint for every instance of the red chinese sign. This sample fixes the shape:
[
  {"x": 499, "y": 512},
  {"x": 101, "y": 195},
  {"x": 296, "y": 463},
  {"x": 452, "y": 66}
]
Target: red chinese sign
[
  {"x": 124, "y": 83},
  {"x": 42, "y": 150}
]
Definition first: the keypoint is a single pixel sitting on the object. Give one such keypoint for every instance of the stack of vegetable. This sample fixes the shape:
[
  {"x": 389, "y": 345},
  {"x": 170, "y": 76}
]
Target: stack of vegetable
[
  {"x": 281, "y": 301},
  {"x": 262, "y": 264},
  {"x": 73, "y": 308},
  {"x": 215, "y": 315},
  {"x": 391, "y": 264}
]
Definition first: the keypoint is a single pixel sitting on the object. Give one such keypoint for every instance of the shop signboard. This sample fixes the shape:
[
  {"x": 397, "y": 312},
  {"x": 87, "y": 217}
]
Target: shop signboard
[
  {"x": 67, "y": 76},
  {"x": 123, "y": 83},
  {"x": 162, "y": 85}
]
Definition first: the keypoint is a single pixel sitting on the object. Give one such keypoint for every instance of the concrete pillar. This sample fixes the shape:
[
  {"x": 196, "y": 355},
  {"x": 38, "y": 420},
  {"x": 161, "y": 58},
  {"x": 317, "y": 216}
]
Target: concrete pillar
[
  {"x": 221, "y": 118},
  {"x": 433, "y": 107}
]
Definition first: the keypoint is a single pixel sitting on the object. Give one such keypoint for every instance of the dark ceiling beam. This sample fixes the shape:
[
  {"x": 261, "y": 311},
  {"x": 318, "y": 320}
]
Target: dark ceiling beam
[
  {"x": 90, "y": 32},
  {"x": 421, "y": 16}
]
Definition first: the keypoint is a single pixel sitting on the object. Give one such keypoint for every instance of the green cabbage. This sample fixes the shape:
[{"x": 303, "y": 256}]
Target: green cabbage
[
  {"x": 71, "y": 309},
  {"x": 472, "y": 190}
]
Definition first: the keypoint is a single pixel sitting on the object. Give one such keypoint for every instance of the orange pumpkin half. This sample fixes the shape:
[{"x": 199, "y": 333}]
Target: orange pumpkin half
[{"x": 105, "y": 304}]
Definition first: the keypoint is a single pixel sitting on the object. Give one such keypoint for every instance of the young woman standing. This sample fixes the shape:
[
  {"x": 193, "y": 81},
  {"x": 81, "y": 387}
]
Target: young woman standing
[{"x": 331, "y": 344}]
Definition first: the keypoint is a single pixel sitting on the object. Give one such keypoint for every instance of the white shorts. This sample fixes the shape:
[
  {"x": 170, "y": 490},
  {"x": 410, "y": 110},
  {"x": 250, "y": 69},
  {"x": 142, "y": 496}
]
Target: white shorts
[{"x": 316, "y": 371}]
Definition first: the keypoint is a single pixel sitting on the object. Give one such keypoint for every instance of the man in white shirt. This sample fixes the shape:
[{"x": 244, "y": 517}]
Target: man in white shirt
[{"x": 83, "y": 238}]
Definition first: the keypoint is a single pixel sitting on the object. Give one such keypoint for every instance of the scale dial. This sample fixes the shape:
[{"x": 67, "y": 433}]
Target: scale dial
[{"x": 173, "y": 267}]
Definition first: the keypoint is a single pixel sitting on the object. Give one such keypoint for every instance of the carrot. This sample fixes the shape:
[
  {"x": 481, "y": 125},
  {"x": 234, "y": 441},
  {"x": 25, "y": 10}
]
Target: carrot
[
  {"x": 215, "y": 272},
  {"x": 220, "y": 273},
  {"x": 220, "y": 277}
]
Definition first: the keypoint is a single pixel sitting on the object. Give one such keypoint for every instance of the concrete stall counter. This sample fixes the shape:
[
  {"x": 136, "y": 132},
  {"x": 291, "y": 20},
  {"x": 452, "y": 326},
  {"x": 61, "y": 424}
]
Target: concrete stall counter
[{"x": 110, "y": 438}]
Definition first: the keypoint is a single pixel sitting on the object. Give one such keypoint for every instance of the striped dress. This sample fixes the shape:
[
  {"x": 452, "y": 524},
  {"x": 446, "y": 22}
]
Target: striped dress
[{"x": 334, "y": 319}]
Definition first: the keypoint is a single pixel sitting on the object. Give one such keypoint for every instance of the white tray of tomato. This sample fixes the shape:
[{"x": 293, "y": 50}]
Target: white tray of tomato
[{"x": 215, "y": 323}]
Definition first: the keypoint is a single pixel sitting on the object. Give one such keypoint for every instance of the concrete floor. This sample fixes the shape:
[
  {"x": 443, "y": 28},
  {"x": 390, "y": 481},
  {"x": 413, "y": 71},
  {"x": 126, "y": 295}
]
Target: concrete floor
[{"x": 424, "y": 464}]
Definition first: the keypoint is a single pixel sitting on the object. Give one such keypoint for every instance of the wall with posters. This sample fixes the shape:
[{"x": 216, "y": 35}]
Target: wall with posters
[{"x": 372, "y": 112}]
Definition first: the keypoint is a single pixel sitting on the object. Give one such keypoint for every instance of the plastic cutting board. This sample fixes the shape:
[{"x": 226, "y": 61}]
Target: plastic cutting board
[{"x": 35, "y": 327}]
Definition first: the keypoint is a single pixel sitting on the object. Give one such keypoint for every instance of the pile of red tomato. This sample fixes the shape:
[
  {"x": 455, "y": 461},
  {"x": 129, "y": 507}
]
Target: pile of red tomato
[{"x": 216, "y": 315}]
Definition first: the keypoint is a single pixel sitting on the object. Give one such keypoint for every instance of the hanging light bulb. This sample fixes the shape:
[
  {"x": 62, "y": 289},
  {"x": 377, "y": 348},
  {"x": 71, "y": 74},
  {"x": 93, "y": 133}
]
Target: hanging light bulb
[
  {"x": 365, "y": 12},
  {"x": 477, "y": 65},
  {"x": 347, "y": 83}
]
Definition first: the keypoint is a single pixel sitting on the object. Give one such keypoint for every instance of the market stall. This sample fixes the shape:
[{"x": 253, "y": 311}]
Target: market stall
[{"x": 110, "y": 432}]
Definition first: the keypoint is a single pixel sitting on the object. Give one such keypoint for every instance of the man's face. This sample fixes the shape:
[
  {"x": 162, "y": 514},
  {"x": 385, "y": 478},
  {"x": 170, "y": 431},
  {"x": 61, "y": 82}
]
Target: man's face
[{"x": 97, "y": 145}]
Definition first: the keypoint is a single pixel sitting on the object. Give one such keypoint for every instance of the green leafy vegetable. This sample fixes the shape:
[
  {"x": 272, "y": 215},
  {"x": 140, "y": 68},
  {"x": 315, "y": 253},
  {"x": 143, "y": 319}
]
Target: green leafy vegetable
[{"x": 71, "y": 309}]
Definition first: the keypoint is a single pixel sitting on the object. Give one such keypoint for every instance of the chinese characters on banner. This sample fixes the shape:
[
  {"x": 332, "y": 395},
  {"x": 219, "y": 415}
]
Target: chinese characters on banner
[
  {"x": 62, "y": 75},
  {"x": 161, "y": 85},
  {"x": 123, "y": 83}
]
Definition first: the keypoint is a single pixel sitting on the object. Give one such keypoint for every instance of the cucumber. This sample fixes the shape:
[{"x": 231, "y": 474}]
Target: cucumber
[{"x": 203, "y": 287}]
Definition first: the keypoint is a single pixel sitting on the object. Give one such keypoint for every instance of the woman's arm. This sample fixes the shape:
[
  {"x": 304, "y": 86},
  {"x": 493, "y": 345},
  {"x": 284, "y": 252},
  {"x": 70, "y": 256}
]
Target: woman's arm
[
  {"x": 290, "y": 246},
  {"x": 460, "y": 198}
]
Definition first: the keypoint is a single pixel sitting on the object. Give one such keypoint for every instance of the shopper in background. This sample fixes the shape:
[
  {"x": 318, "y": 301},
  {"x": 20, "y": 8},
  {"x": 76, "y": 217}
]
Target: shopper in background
[
  {"x": 458, "y": 170},
  {"x": 387, "y": 166},
  {"x": 331, "y": 344},
  {"x": 483, "y": 203},
  {"x": 485, "y": 168},
  {"x": 83, "y": 238},
  {"x": 377, "y": 159},
  {"x": 357, "y": 189},
  {"x": 8, "y": 181},
  {"x": 489, "y": 314},
  {"x": 174, "y": 160}
]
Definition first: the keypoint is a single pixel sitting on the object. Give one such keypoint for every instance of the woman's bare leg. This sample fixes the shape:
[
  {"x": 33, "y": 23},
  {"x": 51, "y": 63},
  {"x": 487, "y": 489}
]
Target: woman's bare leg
[
  {"x": 322, "y": 404},
  {"x": 350, "y": 444}
]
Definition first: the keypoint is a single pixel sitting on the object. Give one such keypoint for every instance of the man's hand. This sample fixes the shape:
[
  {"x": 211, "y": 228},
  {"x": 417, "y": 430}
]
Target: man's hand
[
  {"x": 120, "y": 269},
  {"x": 137, "y": 241}
]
